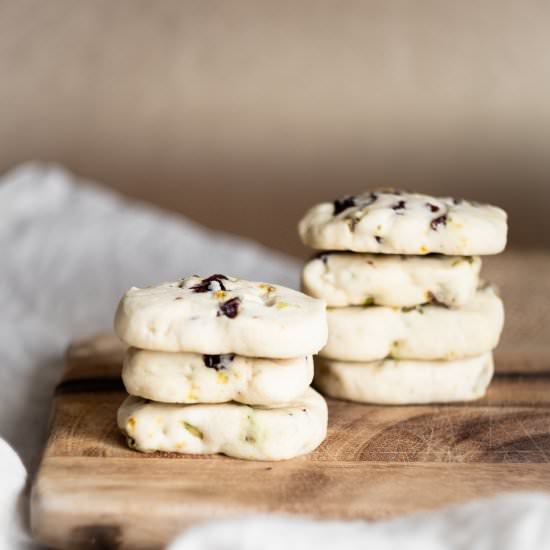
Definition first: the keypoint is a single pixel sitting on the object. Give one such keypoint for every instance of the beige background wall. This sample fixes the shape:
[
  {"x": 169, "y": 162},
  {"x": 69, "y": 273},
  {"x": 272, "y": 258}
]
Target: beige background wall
[{"x": 240, "y": 114}]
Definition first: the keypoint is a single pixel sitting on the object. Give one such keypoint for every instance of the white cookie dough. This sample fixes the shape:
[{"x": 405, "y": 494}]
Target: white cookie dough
[
  {"x": 349, "y": 279},
  {"x": 395, "y": 222},
  {"x": 220, "y": 315},
  {"x": 240, "y": 431},
  {"x": 405, "y": 382},
  {"x": 422, "y": 332},
  {"x": 179, "y": 377}
]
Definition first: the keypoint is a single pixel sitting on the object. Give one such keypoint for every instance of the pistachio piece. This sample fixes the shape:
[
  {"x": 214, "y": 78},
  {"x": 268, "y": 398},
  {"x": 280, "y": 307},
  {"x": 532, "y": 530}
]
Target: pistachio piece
[
  {"x": 369, "y": 301},
  {"x": 193, "y": 430}
]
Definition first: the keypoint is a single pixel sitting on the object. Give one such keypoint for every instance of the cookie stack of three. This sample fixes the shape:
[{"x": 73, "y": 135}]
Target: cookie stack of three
[
  {"x": 410, "y": 320},
  {"x": 221, "y": 365}
]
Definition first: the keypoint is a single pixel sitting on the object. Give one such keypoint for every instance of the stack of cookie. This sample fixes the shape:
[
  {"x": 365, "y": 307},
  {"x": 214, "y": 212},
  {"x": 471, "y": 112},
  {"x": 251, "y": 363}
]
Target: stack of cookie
[
  {"x": 221, "y": 365},
  {"x": 410, "y": 321}
]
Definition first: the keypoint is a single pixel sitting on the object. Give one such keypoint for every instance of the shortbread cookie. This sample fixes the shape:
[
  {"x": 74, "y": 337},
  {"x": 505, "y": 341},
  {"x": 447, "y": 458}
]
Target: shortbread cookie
[
  {"x": 348, "y": 279},
  {"x": 240, "y": 431},
  {"x": 405, "y": 382},
  {"x": 220, "y": 315},
  {"x": 421, "y": 332},
  {"x": 396, "y": 222},
  {"x": 179, "y": 377}
]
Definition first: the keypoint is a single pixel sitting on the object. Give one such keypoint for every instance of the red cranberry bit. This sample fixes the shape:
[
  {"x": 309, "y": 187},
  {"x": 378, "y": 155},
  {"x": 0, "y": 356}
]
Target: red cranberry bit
[
  {"x": 215, "y": 277},
  {"x": 229, "y": 308},
  {"x": 378, "y": 239},
  {"x": 218, "y": 362},
  {"x": 373, "y": 197},
  {"x": 201, "y": 287},
  {"x": 204, "y": 285},
  {"x": 212, "y": 361},
  {"x": 343, "y": 204},
  {"x": 432, "y": 207},
  {"x": 398, "y": 207},
  {"x": 323, "y": 256},
  {"x": 436, "y": 223}
]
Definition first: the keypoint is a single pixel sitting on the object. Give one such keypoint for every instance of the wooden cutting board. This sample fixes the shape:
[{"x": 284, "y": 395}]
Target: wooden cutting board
[{"x": 93, "y": 492}]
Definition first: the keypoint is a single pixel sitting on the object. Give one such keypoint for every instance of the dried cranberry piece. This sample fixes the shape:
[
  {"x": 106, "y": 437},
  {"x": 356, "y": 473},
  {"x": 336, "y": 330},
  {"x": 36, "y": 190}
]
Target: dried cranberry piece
[
  {"x": 218, "y": 362},
  {"x": 436, "y": 223},
  {"x": 343, "y": 204},
  {"x": 378, "y": 239},
  {"x": 204, "y": 285},
  {"x": 201, "y": 287},
  {"x": 229, "y": 308},
  {"x": 432, "y": 207},
  {"x": 323, "y": 256},
  {"x": 399, "y": 206},
  {"x": 212, "y": 361},
  {"x": 215, "y": 277},
  {"x": 373, "y": 197}
]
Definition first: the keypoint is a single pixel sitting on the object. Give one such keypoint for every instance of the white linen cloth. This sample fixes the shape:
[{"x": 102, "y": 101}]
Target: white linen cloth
[
  {"x": 508, "y": 522},
  {"x": 69, "y": 251}
]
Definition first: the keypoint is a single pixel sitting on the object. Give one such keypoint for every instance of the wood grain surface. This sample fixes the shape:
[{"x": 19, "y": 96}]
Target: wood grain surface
[{"x": 377, "y": 462}]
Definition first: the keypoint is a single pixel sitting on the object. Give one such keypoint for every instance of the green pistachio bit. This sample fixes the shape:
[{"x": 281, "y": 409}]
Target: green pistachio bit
[
  {"x": 369, "y": 301},
  {"x": 131, "y": 442},
  {"x": 250, "y": 429},
  {"x": 408, "y": 309},
  {"x": 458, "y": 261},
  {"x": 193, "y": 430}
]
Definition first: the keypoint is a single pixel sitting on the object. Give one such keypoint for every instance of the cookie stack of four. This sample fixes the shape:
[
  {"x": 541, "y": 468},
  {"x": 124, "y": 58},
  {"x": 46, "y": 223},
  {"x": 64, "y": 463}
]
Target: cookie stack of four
[{"x": 410, "y": 320}]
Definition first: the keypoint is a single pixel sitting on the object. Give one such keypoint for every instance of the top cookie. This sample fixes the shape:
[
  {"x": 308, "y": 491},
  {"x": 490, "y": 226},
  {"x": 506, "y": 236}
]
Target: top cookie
[
  {"x": 396, "y": 222},
  {"x": 219, "y": 314}
]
